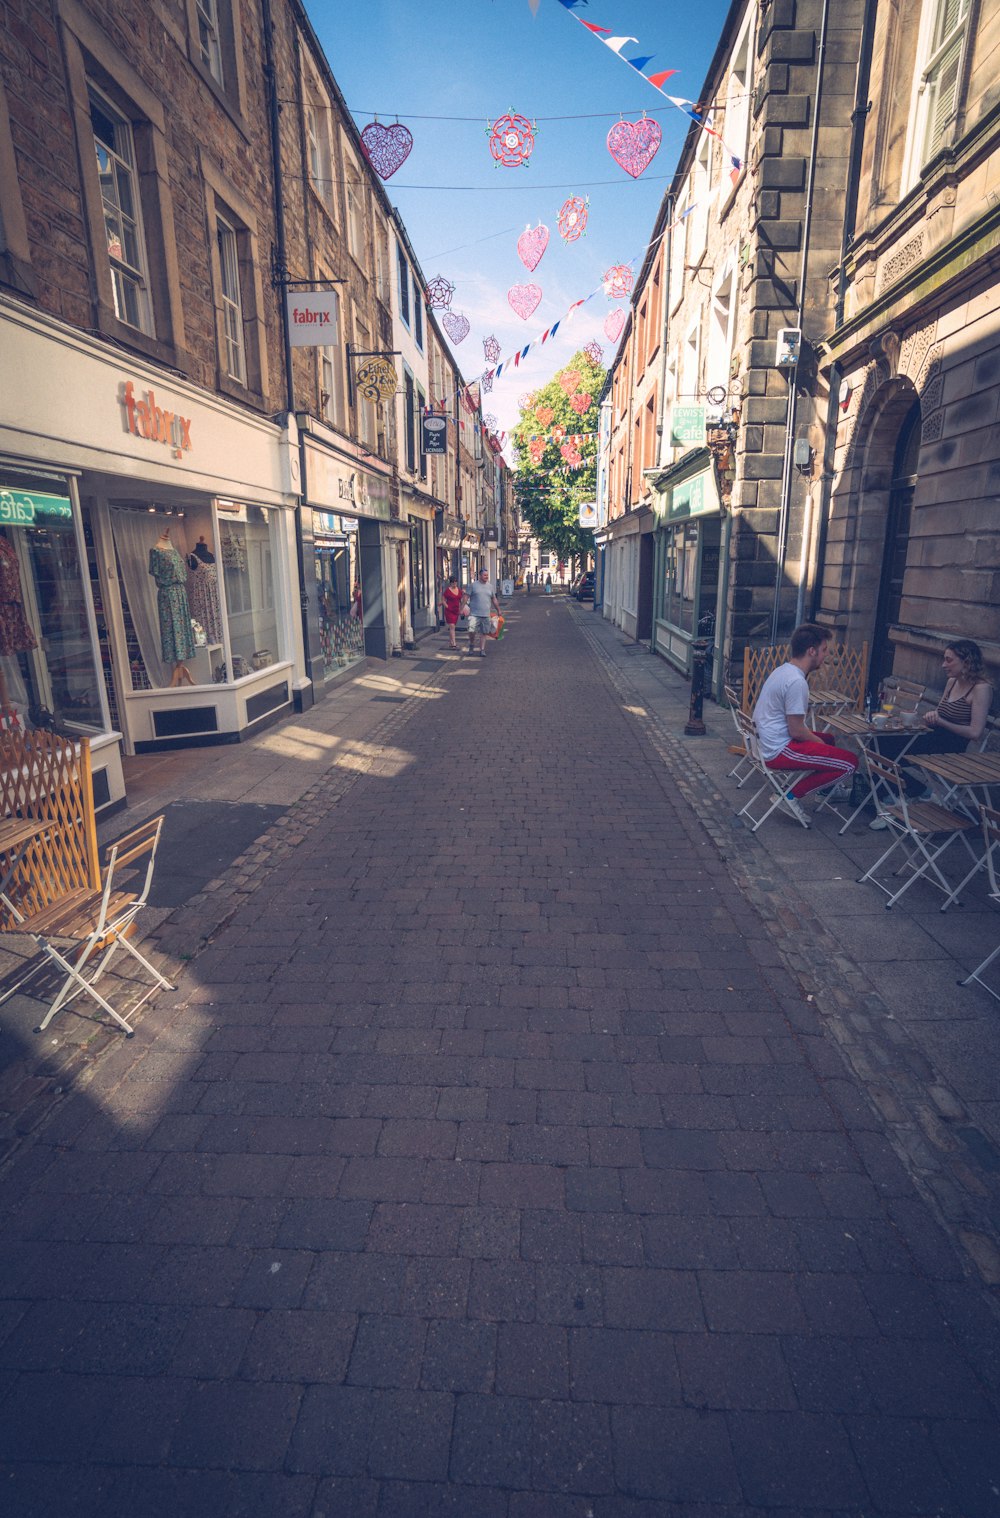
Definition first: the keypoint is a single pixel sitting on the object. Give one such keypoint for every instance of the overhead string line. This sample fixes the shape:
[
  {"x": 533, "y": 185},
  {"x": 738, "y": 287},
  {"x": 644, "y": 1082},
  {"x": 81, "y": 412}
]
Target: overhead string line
[
  {"x": 653, "y": 110},
  {"x": 687, "y": 108}
]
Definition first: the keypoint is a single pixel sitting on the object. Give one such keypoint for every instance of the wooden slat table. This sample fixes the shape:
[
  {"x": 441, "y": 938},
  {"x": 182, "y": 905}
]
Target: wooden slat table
[
  {"x": 868, "y": 735},
  {"x": 976, "y": 773}
]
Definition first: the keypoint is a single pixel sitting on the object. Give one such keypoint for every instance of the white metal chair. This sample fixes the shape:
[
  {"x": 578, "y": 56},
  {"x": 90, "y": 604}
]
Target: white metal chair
[
  {"x": 743, "y": 768},
  {"x": 902, "y": 695},
  {"x": 990, "y": 819},
  {"x": 916, "y": 828},
  {"x": 775, "y": 781},
  {"x": 96, "y": 924}
]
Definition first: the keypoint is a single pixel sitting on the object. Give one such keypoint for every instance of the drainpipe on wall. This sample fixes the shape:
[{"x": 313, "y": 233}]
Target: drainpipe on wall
[
  {"x": 786, "y": 467},
  {"x": 859, "y": 121}
]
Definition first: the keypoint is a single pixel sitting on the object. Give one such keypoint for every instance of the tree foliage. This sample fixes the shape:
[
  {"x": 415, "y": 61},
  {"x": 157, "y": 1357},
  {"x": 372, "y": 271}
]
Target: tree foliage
[{"x": 548, "y": 496}]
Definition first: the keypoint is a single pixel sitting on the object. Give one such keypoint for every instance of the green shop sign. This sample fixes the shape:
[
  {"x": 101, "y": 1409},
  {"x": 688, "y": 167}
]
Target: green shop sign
[
  {"x": 687, "y": 425},
  {"x": 20, "y": 508},
  {"x": 693, "y": 497}
]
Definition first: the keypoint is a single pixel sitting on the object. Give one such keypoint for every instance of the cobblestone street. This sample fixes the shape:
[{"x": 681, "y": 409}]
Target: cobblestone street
[{"x": 488, "y": 1162}]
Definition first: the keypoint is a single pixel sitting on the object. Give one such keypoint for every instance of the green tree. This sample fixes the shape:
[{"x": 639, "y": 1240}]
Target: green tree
[{"x": 548, "y": 496}]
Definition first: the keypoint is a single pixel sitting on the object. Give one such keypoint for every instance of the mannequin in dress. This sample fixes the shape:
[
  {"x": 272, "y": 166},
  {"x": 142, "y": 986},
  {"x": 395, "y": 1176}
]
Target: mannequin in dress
[
  {"x": 176, "y": 638},
  {"x": 15, "y": 634},
  {"x": 203, "y": 590}
]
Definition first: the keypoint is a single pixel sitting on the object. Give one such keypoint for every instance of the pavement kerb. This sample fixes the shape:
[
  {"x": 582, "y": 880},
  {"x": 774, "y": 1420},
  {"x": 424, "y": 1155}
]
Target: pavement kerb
[{"x": 912, "y": 1100}]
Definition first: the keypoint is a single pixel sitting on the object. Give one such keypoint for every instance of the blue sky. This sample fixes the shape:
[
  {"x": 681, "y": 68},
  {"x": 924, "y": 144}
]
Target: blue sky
[{"x": 478, "y": 59}]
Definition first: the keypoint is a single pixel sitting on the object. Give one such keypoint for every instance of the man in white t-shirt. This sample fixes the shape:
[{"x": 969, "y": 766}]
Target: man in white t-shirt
[{"x": 786, "y": 743}]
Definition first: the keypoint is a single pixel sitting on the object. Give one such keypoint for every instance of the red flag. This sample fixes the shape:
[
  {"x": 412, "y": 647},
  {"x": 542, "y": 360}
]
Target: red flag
[
  {"x": 592, "y": 28},
  {"x": 659, "y": 80}
]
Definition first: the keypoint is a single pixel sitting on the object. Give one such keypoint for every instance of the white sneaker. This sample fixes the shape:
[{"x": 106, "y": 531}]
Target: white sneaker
[
  {"x": 796, "y": 808},
  {"x": 879, "y": 825}
]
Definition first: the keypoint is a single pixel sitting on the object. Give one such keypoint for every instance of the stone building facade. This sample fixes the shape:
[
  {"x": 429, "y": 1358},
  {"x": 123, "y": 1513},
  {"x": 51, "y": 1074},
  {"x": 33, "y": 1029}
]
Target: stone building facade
[{"x": 911, "y": 555}]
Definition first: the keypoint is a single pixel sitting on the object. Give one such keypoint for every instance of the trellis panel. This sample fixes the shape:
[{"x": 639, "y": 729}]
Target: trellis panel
[
  {"x": 844, "y": 670},
  {"x": 47, "y": 777}
]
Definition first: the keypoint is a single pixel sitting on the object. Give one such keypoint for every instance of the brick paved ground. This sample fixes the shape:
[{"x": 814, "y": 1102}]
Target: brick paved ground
[{"x": 488, "y": 1163}]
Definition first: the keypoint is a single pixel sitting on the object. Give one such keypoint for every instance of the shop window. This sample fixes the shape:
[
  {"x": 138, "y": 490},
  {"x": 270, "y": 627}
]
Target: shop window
[
  {"x": 338, "y": 588},
  {"x": 938, "y": 83},
  {"x": 418, "y": 565},
  {"x": 248, "y": 576},
  {"x": 232, "y": 300},
  {"x": 680, "y": 590},
  {"x": 168, "y": 585},
  {"x": 404, "y": 285},
  {"x": 122, "y": 213},
  {"x": 48, "y": 668}
]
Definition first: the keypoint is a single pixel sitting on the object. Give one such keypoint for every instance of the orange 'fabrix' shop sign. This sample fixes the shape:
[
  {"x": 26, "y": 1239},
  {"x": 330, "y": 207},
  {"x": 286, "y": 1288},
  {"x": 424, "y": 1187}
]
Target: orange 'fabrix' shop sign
[{"x": 143, "y": 417}]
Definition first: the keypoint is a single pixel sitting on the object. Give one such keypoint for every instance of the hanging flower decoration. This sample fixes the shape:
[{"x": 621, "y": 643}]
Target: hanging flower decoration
[
  {"x": 569, "y": 381},
  {"x": 594, "y": 351},
  {"x": 512, "y": 140},
  {"x": 580, "y": 403},
  {"x": 456, "y": 325},
  {"x": 386, "y": 147},
  {"x": 491, "y": 350},
  {"x": 523, "y": 299},
  {"x": 544, "y": 415},
  {"x": 525, "y": 400},
  {"x": 531, "y": 245},
  {"x": 617, "y": 281},
  {"x": 486, "y": 379},
  {"x": 557, "y": 434},
  {"x": 634, "y": 144},
  {"x": 571, "y": 453},
  {"x": 572, "y": 218},
  {"x": 490, "y": 422},
  {"x": 439, "y": 293},
  {"x": 613, "y": 324},
  {"x": 536, "y": 448}
]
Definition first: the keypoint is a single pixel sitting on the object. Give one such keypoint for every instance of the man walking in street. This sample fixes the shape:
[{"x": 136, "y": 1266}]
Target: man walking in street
[
  {"x": 482, "y": 602},
  {"x": 786, "y": 743}
]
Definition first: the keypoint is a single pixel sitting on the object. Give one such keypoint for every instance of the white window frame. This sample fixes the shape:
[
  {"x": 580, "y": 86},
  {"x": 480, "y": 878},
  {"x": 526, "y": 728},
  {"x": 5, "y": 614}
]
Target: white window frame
[
  {"x": 231, "y": 298},
  {"x": 678, "y": 248},
  {"x": 331, "y": 371},
  {"x": 354, "y": 209},
  {"x": 721, "y": 326},
  {"x": 691, "y": 364},
  {"x": 700, "y": 190},
  {"x": 936, "y": 50},
  {"x": 124, "y": 275},
  {"x": 210, "y": 39},
  {"x": 403, "y": 284},
  {"x": 739, "y": 86}
]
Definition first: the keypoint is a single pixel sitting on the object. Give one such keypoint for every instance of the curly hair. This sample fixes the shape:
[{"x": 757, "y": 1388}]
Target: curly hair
[{"x": 971, "y": 656}]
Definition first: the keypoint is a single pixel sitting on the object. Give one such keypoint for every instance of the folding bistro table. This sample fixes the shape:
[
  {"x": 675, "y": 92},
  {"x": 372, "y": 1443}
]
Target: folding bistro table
[
  {"x": 969, "y": 780},
  {"x": 868, "y": 735}
]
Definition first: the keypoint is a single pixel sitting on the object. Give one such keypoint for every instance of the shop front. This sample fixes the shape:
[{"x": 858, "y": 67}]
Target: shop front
[
  {"x": 181, "y": 517},
  {"x": 692, "y": 543},
  {"x": 448, "y": 548},
  {"x": 345, "y": 565}
]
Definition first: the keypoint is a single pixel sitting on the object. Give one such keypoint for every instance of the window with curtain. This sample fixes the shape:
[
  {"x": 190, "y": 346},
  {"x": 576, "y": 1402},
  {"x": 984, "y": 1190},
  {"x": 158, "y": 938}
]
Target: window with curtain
[
  {"x": 116, "y": 169},
  {"x": 232, "y": 300}
]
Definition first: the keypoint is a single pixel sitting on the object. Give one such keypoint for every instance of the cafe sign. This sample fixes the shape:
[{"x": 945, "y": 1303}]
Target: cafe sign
[
  {"x": 687, "y": 425},
  {"x": 377, "y": 380},
  {"x": 21, "y": 508}
]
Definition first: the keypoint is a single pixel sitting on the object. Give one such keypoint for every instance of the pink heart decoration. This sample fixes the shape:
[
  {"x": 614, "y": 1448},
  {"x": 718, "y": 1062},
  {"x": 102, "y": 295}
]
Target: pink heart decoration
[
  {"x": 544, "y": 415},
  {"x": 579, "y": 403},
  {"x": 531, "y": 245},
  {"x": 456, "y": 326},
  {"x": 569, "y": 381},
  {"x": 386, "y": 147},
  {"x": 634, "y": 144},
  {"x": 613, "y": 324},
  {"x": 523, "y": 299}
]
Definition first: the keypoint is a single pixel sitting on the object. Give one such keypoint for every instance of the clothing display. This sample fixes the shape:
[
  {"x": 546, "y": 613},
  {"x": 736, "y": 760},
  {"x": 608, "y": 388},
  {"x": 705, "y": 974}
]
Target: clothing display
[
  {"x": 203, "y": 596},
  {"x": 176, "y": 638},
  {"x": 16, "y": 637}
]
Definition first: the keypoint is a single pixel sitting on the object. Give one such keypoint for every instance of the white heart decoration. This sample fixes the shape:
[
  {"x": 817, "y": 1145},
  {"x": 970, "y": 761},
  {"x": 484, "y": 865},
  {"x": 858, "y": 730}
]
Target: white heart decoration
[
  {"x": 531, "y": 245},
  {"x": 456, "y": 326},
  {"x": 634, "y": 144},
  {"x": 613, "y": 324},
  {"x": 524, "y": 299}
]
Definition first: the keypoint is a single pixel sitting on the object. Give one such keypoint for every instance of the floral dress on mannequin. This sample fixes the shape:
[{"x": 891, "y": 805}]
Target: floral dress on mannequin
[
  {"x": 176, "y": 638},
  {"x": 16, "y": 637}
]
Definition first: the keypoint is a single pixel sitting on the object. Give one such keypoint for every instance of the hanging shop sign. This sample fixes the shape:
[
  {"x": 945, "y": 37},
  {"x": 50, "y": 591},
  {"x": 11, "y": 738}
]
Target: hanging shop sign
[
  {"x": 312, "y": 317},
  {"x": 687, "y": 425},
  {"x": 433, "y": 432},
  {"x": 588, "y": 513},
  {"x": 376, "y": 380},
  {"x": 144, "y": 418},
  {"x": 20, "y": 508}
]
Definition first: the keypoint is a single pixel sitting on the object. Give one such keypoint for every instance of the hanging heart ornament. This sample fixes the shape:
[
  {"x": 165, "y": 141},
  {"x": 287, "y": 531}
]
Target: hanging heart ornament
[
  {"x": 386, "y": 147},
  {"x": 613, "y": 324},
  {"x": 524, "y": 299},
  {"x": 531, "y": 245},
  {"x": 579, "y": 403},
  {"x": 634, "y": 144},
  {"x": 569, "y": 381},
  {"x": 456, "y": 326},
  {"x": 544, "y": 415}
]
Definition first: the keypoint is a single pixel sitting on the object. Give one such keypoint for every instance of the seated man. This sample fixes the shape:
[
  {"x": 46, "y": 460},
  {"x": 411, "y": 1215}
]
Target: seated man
[{"x": 786, "y": 743}]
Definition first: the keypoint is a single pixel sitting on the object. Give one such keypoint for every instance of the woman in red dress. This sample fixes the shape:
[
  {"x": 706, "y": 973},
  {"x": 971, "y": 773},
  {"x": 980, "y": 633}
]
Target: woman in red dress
[{"x": 452, "y": 598}]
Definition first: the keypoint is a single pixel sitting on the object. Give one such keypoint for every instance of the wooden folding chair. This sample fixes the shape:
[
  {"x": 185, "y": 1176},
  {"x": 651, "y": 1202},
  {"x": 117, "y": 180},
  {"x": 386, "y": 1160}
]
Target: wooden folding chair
[
  {"x": 916, "y": 827},
  {"x": 990, "y": 819},
  {"x": 902, "y": 695},
  {"x": 743, "y": 768},
  {"x": 96, "y": 924}
]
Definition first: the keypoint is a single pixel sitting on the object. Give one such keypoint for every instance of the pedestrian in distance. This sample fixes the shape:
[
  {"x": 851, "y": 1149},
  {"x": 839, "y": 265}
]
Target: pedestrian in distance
[
  {"x": 786, "y": 742},
  {"x": 452, "y": 599},
  {"x": 548, "y": 585},
  {"x": 482, "y": 605}
]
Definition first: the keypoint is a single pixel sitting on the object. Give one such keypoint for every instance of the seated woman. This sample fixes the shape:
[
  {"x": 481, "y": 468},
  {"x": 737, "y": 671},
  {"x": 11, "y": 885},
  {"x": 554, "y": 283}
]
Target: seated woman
[{"x": 958, "y": 719}]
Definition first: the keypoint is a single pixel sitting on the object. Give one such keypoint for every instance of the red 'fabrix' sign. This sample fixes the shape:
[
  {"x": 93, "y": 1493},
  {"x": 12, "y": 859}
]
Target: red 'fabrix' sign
[{"x": 144, "y": 418}]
